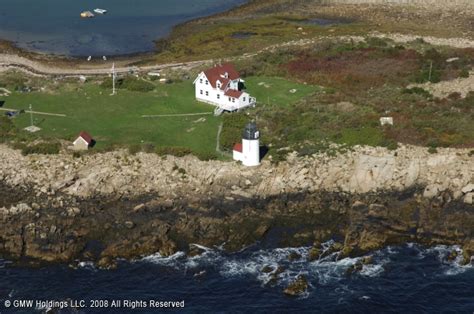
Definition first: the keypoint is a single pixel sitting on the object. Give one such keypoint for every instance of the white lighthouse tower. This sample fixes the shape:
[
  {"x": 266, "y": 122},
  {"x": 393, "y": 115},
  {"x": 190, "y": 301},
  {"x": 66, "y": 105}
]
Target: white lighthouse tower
[{"x": 249, "y": 151}]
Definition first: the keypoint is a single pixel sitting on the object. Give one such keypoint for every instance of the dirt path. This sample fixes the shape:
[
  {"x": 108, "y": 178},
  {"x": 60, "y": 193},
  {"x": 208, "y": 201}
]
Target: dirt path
[
  {"x": 177, "y": 115},
  {"x": 9, "y": 61},
  {"x": 36, "y": 112},
  {"x": 14, "y": 61}
]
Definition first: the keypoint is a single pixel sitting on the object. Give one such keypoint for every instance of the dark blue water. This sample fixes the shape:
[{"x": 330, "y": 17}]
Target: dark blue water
[
  {"x": 402, "y": 279},
  {"x": 130, "y": 26}
]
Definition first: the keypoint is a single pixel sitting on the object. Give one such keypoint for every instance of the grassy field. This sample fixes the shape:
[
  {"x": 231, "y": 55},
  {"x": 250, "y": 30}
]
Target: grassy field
[{"x": 117, "y": 120}]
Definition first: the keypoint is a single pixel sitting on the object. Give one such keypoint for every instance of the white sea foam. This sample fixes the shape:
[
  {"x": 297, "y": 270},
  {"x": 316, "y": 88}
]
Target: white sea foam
[
  {"x": 450, "y": 267},
  {"x": 86, "y": 265},
  {"x": 170, "y": 261}
]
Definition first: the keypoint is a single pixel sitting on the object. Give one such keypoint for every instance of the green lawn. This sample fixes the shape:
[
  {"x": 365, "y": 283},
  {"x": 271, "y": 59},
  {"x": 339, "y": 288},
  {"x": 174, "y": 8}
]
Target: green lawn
[
  {"x": 117, "y": 119},
  {"x": 276, "y": 91}
]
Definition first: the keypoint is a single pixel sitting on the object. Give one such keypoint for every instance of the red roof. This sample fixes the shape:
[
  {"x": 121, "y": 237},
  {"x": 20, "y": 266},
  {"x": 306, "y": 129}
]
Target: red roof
[
  {"x": 218, "y": 73},
  {"x": 224, "y": 82},
  {"x": 238, "y": 147},
  {"x": 86, "y": 137},
  {"x": 233, "y": 93}
]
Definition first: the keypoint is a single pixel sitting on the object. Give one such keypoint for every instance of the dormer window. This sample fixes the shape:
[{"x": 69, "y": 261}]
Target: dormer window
[{"x": 218, "y": 85}]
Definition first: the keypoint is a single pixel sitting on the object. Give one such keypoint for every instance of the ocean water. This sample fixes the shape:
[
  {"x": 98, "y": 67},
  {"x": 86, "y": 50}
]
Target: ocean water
[
  {"x": 54, "y": 26},
  {"x": 406, "y": 279}
]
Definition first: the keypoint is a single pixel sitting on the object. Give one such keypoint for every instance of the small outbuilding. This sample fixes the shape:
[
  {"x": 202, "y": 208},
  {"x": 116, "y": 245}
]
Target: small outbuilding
[{"x": 83, "y": 142}]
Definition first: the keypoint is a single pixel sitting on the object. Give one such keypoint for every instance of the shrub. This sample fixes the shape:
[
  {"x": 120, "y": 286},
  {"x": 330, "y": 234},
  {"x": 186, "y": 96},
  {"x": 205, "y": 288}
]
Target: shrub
[
  {"x": 390, "y": 144},
  {"x": 432, "y": 150},
  {"x": 205, "y": 156},
  {"x": 173, "y": 151},
  {"x": 107, "y": 83},
  {"x": 45, "y": 148},
  {"x": 134, "y": 149},
  {"x": 148, "y": 148},
  {"x": 464, "y": 73},
  {"x": 455, "y": 96},
  {"x": 7, "y": 128},
  {"x": 137, "y": 85},
  {"x": 376, "y": 42},
  {"x": 417, "y": 91}
]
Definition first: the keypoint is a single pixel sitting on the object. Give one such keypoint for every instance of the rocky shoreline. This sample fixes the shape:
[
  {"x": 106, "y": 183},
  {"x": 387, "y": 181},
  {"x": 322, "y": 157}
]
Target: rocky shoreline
[{"x": 102, "y": 207}]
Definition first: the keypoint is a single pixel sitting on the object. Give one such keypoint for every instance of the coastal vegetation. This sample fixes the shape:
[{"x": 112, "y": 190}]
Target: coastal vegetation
[
  {"x": 308, "y": 98},
  {"x": 145, "y": 115},
  {"x": 362, "y": 82}
]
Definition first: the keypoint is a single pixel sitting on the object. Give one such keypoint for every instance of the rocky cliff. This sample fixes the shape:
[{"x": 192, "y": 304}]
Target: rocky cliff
[
  {"x": 362, "y": 170},
  {"x": 101, "y": 207}
]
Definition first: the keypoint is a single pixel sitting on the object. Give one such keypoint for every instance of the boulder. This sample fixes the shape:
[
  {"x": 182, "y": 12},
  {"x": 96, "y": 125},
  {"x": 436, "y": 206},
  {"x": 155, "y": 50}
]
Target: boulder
[
  {"x": 469, "y": 198},
  {"x": 129, "y": 224},
  {"x": 297, "y": 287},
  {"x": 107, "y": 263},
  {"x": 314, "y": 253},
  {"x": 139, "y": 208},
  {"x": 468, "y": 188},
  {"x": 432, "y": 190},
  {"x": 267, "y": 269},
  {"x": 293, "y": 256}
]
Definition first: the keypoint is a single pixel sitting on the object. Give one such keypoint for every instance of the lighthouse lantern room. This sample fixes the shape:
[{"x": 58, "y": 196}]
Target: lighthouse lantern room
[{"x": 248, "y": 152}]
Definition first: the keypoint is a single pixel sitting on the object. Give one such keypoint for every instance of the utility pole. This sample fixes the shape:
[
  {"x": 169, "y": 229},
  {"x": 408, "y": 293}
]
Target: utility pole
[
  {"x": 431, "y": 70},
  {"x": 31, "y": 115},
  {"x": 113, "y": 79}
]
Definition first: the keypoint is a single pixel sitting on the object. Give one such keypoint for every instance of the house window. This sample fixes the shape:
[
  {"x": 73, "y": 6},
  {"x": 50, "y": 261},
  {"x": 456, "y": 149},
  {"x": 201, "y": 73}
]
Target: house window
[
  {"x": 207, "y": 82},
  {"x": 200, "y": 81},
  {"x": 207, "y": 93},
  {"x": 233, "y": 99},
  {"x": 218, "y": 96},
  {"x": 230, "y": 99},
  {"x": 218, "y": 85},
  {"x": 201, "y": 91},
  {"x": 244, "y": 98}
]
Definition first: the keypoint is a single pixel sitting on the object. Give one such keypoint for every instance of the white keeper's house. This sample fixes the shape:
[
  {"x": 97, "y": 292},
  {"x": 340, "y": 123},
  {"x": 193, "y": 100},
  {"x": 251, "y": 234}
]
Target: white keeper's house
[{"x": 222, "y": 86}]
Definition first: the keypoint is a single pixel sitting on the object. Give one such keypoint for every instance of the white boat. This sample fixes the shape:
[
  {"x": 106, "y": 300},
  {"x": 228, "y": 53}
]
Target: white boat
[
  {"x": 87, "y": 14},
  {"x": 100, "y": 11}
]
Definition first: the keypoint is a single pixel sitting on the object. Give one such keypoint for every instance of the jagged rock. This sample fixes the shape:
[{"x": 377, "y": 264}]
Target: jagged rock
[
  {"x": 358, "y": 205},
  {"x": 168, "y": 248},
  {"x": 107, "y": 263},
  {"x": 314, "y": 253},
  {"x": 267, "y": 269},
  {"x": 293, "y": 256},
  {"x": 469, "y": 198},
  {"x": 432, "y": 190},
  {"x": 452, "y": 256},
  {"x": 73, "y": 211},
  {"x": 297, "y": 287},
  {"x": 468, "y": 188},
  {"x": 139, "y": 207},
  {"x": 195, "y": 251},
  {"x": 276, "y": 275},
  {"x": 129, "y": 224}
]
